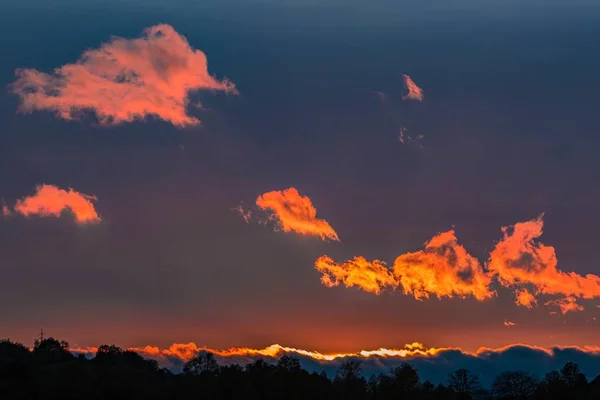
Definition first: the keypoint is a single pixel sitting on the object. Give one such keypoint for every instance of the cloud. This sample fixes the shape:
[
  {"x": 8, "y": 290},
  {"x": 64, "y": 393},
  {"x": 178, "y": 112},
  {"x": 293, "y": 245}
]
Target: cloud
[
  {"x": 519, "y": 260},
  {"x": 371, "y": 276},
  {"x": 124, "y": 80},
  {"x": 405, "y": 138},
  {"x": 245, "y": 214},
  {"x": 295, "y": 213},
  {"x": 50, "y": 200},
  {"x": 565, "y": 305},
  {"x": 433, "y": 364},
  {"x": 414, "y": 92},
  {"x": 509, "y": 323},
  {"x": 443, "y": 269},
  {"x": 5, "y": 211}
]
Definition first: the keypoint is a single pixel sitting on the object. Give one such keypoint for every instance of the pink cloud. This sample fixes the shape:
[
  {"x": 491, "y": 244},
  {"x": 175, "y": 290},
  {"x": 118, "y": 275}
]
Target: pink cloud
[
  {"x": 124, "y": 80},
  {"x": 50, "y": 200},
  {"x": 414, "y": 91}
]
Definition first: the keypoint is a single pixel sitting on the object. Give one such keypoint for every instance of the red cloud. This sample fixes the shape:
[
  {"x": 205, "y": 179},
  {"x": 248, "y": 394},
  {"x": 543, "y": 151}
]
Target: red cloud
[
  {"x": 414, "y": 92},
  {"x": 295, "y": 213},
  {"x": 50, "y": 200},
  {"x": 124, "y": 80},
  {"x": 509, "y": 323}
]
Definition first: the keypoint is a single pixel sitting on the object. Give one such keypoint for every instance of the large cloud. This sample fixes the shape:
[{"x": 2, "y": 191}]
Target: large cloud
[
  {"x": 432, "y": 363},
  {"x": 443, "y": 269},
  {"x": 371, "y": 276},
  {"x": 414, "y": 91},
  {"x": 50, "y": 200},
  {"x": 295, "y": 213},
  {"x": 124, "y": 80},
  {"x": 520, "y": 260}
]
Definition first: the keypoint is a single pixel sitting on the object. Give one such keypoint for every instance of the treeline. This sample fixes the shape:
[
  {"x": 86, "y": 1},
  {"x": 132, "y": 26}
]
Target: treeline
[{"x": 50, "y": 371}]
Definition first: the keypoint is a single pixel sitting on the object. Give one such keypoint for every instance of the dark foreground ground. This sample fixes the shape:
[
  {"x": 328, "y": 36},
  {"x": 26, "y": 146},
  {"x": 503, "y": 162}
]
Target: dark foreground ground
[{"x": 50, "y": 371}]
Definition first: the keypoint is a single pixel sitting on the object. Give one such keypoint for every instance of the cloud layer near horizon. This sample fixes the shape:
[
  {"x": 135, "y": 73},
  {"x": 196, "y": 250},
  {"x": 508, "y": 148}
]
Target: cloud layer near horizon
[
  {"x": 124, "y": 80},
  {"x": 295, "y": 213},
  {"x": 432, "y": 363},
  {"x": 445, "y": 269},
  {"x": 49, "y": 200}
]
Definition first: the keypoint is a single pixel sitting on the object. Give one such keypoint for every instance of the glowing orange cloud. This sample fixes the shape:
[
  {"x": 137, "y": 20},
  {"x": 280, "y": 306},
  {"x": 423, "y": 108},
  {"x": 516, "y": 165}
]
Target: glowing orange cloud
[
  {"x": 525, "y": 298},
  {"x": 509, "y": 323},
  {"x": 370, "y": 276},
  {"x": 124, "y": 80},
  {"x": 518, "y": 259},
  {"x": 443, "y": 269},
  {"x": 414, "y": 91},
  {"x": 185, "y": 352},
  {"x": 295, "y": 213},
  {"x": 50, "y": 200},
  {"x": 189, "y": 350}
]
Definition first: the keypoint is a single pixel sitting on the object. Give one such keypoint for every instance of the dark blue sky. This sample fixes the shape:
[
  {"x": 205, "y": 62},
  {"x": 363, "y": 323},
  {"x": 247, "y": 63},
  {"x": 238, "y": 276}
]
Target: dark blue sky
[{"x": 510, "y": 131}]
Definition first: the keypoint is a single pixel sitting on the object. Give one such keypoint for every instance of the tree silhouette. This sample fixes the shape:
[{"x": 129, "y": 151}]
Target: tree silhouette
[
  {"x": 514, "y": 385},
  {"x": 50, "y": 372},
  {"x": 464, "y": 383},
  {"x": 203, "y": 363}
]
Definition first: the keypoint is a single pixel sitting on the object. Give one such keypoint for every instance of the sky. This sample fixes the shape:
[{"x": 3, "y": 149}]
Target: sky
[{"x": 208, "y": 172}]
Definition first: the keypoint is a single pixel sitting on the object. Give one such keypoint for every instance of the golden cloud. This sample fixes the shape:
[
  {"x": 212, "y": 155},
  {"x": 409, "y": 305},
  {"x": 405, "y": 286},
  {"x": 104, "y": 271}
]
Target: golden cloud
[
  {"x": 371, "y": 276},
  {"x": 443, "y": 269},
  {"x": 295, "y": 213}
]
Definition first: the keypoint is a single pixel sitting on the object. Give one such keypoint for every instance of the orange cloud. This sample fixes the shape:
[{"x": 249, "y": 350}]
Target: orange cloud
[
  {"x": 295, "y": 213},
  {"x": 518, "y": 259},
  {"x": 565, "y": 305},
  {"x": 443, "y": 269},
  {"x": 414, "y": 91},
  {"x": 50, "y": 200},
  {"x": 245, "y": 214},
  {"x": 525, "y": 298},
  {"x": 371, "y": 276},
  {"x": 124, "y": 80},
  {"x": 189, "y": 350},
  {"x": 509, "y": 323}
]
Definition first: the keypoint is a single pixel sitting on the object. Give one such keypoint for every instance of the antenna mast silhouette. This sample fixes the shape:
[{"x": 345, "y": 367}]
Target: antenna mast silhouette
[{"x": 42, "y": 335}]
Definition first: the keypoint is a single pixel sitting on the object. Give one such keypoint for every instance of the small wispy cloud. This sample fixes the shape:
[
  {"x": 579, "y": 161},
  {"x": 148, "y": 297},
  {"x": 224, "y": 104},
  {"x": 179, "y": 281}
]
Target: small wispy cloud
[
  {"x": 414, "y": 91},
  {"x": 245, "y": 214},
  {"x": 295, "y": 213}
]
